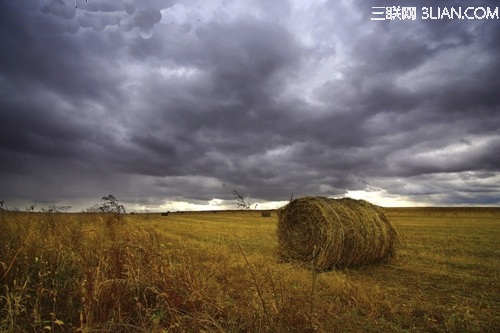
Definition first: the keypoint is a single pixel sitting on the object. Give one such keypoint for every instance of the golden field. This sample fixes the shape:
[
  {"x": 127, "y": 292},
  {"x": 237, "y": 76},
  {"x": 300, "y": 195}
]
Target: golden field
[{"x": 219, "y": 272}]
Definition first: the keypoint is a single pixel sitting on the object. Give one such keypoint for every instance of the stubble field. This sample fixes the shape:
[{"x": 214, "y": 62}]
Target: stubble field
[{"x": 219, "y": 272}]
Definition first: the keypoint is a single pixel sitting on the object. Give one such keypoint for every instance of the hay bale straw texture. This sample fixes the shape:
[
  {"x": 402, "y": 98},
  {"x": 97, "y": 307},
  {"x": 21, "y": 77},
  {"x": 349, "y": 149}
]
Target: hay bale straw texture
[{"x": 336, "y": 233}]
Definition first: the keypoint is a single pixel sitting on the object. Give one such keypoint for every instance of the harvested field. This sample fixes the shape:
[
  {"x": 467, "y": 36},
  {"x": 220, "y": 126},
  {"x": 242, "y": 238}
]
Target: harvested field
[{"x": 219, "y": 273}]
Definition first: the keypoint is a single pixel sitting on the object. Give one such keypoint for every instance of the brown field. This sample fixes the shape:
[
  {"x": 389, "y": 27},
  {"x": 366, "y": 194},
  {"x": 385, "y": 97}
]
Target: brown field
[{"x": 206, "y": 272}]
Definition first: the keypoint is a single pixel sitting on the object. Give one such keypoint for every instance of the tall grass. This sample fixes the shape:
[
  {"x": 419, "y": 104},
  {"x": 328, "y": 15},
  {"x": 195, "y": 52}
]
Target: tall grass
[{"x": 198, "y": 272}]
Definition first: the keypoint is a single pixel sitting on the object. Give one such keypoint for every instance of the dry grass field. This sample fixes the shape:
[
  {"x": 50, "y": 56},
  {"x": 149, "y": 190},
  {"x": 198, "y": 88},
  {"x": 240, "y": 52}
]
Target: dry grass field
[{"x": 219, "y": 272}]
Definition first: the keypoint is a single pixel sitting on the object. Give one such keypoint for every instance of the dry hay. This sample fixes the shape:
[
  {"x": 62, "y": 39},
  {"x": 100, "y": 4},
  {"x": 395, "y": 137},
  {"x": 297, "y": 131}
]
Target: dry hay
[
  {"x": 265, "y": 214},
  {"x": 337, "y": 233}
]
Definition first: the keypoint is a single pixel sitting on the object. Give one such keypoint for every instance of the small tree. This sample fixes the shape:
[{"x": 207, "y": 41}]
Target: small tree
[
  {"x": 240, "y": 201},
  {"x": 111, "y": 205}
]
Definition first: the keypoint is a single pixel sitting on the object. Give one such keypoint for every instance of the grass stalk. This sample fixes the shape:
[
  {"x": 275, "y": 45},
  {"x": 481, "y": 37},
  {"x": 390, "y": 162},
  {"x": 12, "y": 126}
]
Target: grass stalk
[
  {"x": 314, "y": 273},
  {"x": 259, "y": 293}
]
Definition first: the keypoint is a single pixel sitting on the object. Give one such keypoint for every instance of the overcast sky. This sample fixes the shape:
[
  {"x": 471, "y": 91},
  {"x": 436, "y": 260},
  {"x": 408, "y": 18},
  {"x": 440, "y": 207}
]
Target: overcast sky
[{"x": 173, "y": 104}]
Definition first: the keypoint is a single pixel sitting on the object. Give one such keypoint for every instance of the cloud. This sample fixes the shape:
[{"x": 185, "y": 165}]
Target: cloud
[{"x": 161, "y": 102}]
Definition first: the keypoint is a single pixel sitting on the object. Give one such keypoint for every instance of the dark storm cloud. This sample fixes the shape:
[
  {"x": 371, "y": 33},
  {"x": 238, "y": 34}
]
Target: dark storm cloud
[
  {"x": 161, "y": 102},
  {"x": 244, "y": 65}
]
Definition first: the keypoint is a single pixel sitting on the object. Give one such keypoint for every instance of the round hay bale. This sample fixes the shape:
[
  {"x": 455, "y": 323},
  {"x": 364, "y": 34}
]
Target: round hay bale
[{"x": 336, "y": 233}]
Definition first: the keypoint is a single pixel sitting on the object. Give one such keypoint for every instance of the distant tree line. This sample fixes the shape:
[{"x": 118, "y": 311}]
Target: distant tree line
[{"x": 109, "y": 204}]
